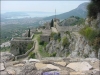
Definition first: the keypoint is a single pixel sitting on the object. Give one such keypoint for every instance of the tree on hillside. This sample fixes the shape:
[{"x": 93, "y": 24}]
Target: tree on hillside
[
  {"x": 52, "y": 23},
  {"x": 29, "y": 33},
  {"x": 93, "y": 8}
]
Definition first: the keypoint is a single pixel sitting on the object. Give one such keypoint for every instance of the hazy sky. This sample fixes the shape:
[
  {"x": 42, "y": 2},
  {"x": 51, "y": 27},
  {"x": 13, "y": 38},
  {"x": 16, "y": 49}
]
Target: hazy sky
[{"x": 44, "y": 6}]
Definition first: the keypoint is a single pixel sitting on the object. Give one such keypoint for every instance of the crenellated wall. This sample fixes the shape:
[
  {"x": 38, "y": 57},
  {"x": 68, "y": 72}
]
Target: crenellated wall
[{"x": 67, "y": 28}]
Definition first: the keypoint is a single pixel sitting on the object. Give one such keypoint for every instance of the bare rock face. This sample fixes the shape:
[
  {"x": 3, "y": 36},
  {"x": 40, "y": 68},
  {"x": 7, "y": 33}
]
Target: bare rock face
[
  {"x": 77, "y": 73},
  {"x": 3, "y": 73},
  {"x": 61, "y": 63},
  {"x": 11, "y": 72},
  {"x": 2, "y": 67},
  {"x": 41, "y": 66},
  {"x": 6, "y": 56},
  {"x": 28, "y": 69},
  {"x": 80, "y": 66},
  {"x": 98, "y": 20},
  {"x": 93, "y": 72}
]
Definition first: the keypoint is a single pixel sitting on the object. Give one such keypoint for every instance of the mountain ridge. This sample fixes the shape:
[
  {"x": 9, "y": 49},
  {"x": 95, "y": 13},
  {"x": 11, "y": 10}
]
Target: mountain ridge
[{"x": 80, "y": 11}]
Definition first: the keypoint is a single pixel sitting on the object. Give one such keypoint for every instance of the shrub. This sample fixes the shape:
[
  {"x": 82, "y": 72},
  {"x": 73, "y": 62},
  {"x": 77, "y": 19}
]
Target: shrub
[
  {"x": 29, "y": 46},
  {"x": 32, "y": 55},
  {"x": 55, "y": 36},
  {"x": 93, "y": 36},
  {"x": 67, "y": 32},
  {"x": 67, "y": 54},
  {"x": 89, "y": 33},
  {"x": 53, "y": 54},
  {"x": 65, "y": 42},
  {"x": 93, "y": 8}
]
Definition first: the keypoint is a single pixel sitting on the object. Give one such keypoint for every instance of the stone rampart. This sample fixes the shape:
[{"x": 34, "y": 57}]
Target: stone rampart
[{"x": 26, "y": 54}]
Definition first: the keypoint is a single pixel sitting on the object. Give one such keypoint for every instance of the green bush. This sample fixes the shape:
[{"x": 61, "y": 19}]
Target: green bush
[
  {"x": 53, "y": 54},
  {"x": 67, "y": 54},
  {"x": 29, "y": 46},
  {"x": 65, "y": 42},
  {"x": 56, "y": 36},
  {"x": 32, "y": 55},
  {"x": 67, "y": 32},
  {"x": 93, "y": 8},
  {"x": 93, "y": 36},
  {"x": 89, "y": 33}
]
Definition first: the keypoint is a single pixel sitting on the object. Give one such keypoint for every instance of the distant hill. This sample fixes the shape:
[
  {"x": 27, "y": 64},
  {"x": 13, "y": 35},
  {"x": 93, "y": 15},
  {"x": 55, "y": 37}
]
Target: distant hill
[
  {"x": 71, "y": 21},
  {"x": 13, "y": 14},
  {"x": 80, "y": 11}
]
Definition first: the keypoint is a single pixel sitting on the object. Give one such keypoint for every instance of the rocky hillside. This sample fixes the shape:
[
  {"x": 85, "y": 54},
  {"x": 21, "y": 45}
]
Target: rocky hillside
[
  {"x": 71, "y": 21},
  {"x": 78, "y": 46}
]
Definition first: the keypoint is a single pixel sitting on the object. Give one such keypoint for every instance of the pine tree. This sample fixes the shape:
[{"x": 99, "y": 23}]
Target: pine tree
[
  {"x": 29, "y": 33},
  {"x": 52, "y": 23},
  {"x": 93, "y": 8}
]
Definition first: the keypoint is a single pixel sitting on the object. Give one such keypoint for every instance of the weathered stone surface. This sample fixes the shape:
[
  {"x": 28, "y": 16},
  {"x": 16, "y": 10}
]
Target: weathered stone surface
[
  {"x": 40, "y": 65},
  {"x": 61, "y": 63},
  {"x": 80, "y": 66},
  {"x": 64, "y": 72},
  {"x": 28, "y": 69},
  {"x": 11, "y": 71},
  {"x": 2, "y": 67},
  {"x": 6, "y": 56},
  {"x": 93, "y": 72},
  {"x": 77, "y": 73},
  {"x": 19, "y": 65},
  {"x": 46, "y": 66},
  {"x": 50, "y": 66},
  {"x": 3, "y": 73},
  {"x": 34, "y": 60}
]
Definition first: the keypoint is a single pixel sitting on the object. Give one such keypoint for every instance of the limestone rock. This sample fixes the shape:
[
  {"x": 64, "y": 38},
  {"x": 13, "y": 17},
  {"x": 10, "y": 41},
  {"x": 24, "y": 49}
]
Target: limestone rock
[
  {"x": 20, "y": 64},
  {"x": 28, "y": 69},
  {"x": 93, "y": 72},
  {"x": 3, "y": 73},
  {"x": 41, "y": 66},
  {"x": 34, "y": 60},
  {"x": 2, "y": 67},
  {"x": 11, "y": 71},
  {"x": 80, "y": 66},
  {"x": 50, "y": 66},
  {"x": 61, "y": 63},
  {"x": 77, "y": 73},
  {"x": 6, "y": 56}
]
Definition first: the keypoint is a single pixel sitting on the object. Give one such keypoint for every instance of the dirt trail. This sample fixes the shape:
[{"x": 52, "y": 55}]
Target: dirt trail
[{"x": 36, "y": 48}]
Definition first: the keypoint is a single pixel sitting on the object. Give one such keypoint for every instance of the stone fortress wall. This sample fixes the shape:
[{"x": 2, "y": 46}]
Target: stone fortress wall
[
  {"x": 19, "y": 43},
  {"x": 67, "y": 28}
]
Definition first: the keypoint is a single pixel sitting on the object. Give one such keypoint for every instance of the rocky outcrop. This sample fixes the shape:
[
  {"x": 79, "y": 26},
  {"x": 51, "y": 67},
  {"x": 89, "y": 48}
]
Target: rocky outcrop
[
  {"x": 6, "y": 56},
  {"x": 78, "y": 47},
  {"x": 52, "y": 65}
]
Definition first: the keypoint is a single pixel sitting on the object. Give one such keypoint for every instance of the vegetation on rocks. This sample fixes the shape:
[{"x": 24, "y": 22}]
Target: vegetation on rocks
[
  {"x": 32, "y": 55},
  {"x": 93, "y": 36},
  {"x": 55, "y": 36},
  {"x": 42, "y": 46},
  {"x": 29, "y": 46},
  {"x": 71, "y": 21},
  {"x": 5, "y": 49},
  {"x": 53, "y": 54},
  {"x": 65, "y": 42}
]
